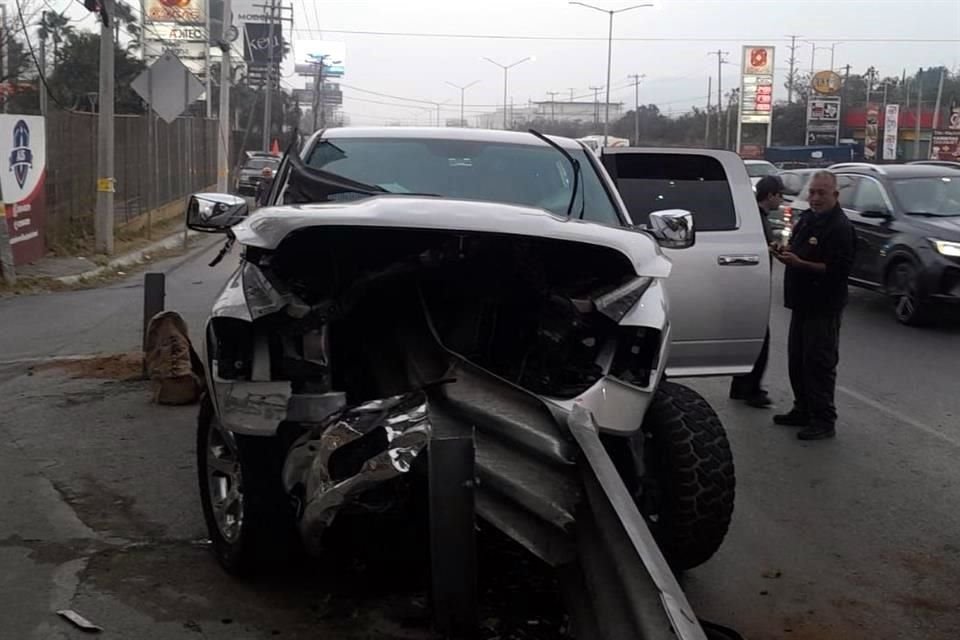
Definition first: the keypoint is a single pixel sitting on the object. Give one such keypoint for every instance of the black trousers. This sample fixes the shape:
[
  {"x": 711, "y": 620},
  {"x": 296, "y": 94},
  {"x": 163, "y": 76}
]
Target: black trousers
[
  {"x": 750, "y": 384},
  {"x": 814, "y": 351}
]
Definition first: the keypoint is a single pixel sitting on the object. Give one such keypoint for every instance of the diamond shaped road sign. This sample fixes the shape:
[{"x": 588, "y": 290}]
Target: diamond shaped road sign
[{"x": 168, "y": 87}]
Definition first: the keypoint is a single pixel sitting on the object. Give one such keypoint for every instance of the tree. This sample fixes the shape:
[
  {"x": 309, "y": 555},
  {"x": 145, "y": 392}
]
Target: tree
[
  {"x": 57, "y": 28},
  {"x": 75, "y": 83}
]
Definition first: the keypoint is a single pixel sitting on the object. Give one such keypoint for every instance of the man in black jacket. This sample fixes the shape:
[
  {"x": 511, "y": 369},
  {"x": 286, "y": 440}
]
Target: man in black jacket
[
  {"x": 749, "y": 387},
  {"x": 818, "y": 262}
]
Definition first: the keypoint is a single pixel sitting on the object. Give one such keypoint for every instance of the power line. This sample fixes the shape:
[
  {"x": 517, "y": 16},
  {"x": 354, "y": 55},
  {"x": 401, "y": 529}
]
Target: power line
[
  {"x": 33, "y": 55},
  {"x": 494, "y": 36}
]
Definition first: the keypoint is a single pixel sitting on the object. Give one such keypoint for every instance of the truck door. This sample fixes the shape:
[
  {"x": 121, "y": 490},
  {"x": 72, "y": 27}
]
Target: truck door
[{"x": 719, "y": 289}]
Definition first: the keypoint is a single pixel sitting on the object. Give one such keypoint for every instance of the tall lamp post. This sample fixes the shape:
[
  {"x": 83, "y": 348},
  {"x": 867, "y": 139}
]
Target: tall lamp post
[
  {"x": 463, "y": 89},
  {"x": 610, "y": 13},
  {"x": 506, "y": 68}
]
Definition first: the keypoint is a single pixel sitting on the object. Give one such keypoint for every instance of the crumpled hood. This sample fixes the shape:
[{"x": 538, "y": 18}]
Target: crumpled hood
[{"x": 267, "y": 227}]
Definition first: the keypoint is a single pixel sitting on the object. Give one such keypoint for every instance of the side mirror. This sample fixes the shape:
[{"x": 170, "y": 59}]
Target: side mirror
[
  {"x": 673, "y": 228},
  {"x": 877, "y": 214},
  {"x": 215, "y": 212}
]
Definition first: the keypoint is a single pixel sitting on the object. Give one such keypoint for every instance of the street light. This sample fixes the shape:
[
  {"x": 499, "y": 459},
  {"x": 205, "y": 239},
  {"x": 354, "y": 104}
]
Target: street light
[
  {"x": 833, "y": 46},
  {"x": 506, "y": 67},
  {"x": 611, "y": 13},
  {"x": 462, "y": 91}
]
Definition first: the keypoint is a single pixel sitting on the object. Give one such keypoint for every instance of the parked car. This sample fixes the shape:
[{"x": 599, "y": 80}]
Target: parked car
[
  {"x": 256, "y": 171},
  {"x": 756, "y": 169},
  {"x": 950, "y": 164},
  {"x": 495, "y": 286},
  {"x": 907, "y": 219}
]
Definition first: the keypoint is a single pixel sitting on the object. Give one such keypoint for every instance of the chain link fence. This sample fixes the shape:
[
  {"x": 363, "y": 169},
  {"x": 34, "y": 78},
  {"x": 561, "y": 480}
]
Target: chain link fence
[{"x": 153, "y": 167}]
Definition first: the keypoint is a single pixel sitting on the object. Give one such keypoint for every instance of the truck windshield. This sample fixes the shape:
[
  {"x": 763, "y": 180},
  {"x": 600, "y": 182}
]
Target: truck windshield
[{"x": 527, "y": 175}]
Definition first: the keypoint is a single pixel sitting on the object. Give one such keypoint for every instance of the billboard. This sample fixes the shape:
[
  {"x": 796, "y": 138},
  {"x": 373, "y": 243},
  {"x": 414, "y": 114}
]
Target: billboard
[
  {"x": 756, "y": 85},
  {"x": 891, "y": 120},
  {"x": 333, "y": 54},
  {"x": 22, "y": 178},
  {"x": 826, "y": 83},
  {"x": 181, "y": 11},
  {"x": 183, "y": 49},
  {"x": 257, "y": 44},
  {"x": 945, "y": 145},
  {"x": 823, "y": 121}
]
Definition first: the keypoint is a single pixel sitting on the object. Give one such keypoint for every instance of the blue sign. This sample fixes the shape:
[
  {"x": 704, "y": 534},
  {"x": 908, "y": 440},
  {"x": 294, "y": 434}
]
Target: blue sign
[{"x": 21, "y": 158}]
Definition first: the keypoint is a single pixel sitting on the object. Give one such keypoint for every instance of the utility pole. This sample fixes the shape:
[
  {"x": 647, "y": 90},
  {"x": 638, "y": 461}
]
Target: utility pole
[
  {"x": 207, "y": 59},
  {"x": 4, "y": 50},
  {"x": 792, "y": 78},
  {"x": 223, "y": 114},
  {"x": 553, "y": 105},
  {"x": 572, "y": 89},
  {"x": 843, "y": 97},
  {"x": 103, "y": 229},
  {"x": 596, "y": 105},
  {"x": 916, "y": 133},
  {"x": 43, "y": 74},
  {"x": 318, "y": 92},
  {"x": 706, "y": 133},
  {"x": 720, "y": 61},
  {"x": 936, "y": 108},
  {"x": 636, "y": 107},
  {"x": 268, "y": 96}
]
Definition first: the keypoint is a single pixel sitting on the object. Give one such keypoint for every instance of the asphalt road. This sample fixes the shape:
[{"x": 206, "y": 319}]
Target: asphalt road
[{"x": 853, "y": 538}]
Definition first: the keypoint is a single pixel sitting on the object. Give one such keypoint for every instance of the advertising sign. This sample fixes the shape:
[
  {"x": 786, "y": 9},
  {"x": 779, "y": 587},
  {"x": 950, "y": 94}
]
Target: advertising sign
[
  {"x": 22, "y": 177},
  {"x": 945, "y": 145},
  {"x": 171, "y": 31},
  {"x": 891, "y": 119},
  {"x": 182, "y": 11},
  {"x": 332, "y": 96},
  {"x": 333, "y": 55},
  {"x": 826, "y": 83},
  {"x": 257, "y": 45},
  {"x": 823, "y": 121},
  {"x": 871, "y": 135},
  {"x": 183, "y": 49},
  {"x": 756, "y": 85}
]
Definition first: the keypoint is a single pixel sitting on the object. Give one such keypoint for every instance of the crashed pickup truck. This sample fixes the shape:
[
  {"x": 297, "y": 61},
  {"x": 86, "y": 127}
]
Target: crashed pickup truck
[{"x": 400, "y": 284}]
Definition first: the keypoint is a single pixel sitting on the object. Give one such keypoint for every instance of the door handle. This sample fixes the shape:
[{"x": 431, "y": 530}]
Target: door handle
[{"x": 738, "y": 260}]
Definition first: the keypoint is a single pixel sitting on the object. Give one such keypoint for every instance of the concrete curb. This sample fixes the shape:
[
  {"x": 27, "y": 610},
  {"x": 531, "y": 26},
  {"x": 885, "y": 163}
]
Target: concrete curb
[{"x": 129, "y": 259}]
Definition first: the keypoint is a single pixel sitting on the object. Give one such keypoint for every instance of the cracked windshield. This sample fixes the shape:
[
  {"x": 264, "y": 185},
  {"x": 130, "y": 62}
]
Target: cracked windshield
[{"x": 423, "y": 320}]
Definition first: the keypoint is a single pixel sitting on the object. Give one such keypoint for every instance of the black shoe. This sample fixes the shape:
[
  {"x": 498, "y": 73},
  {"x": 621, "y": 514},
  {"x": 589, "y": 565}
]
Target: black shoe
[
  {"x": 758, "y": 400},
  {"x": 817, "y": 433},
  {"x": 791, "y": 419}
]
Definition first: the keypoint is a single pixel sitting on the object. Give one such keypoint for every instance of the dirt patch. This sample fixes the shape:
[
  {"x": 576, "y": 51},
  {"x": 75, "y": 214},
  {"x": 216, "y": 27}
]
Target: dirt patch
[
  {"x": 118, "y": 366},
  {"x": 48, "y": 552},
  {"x": 106, "y": 511}
]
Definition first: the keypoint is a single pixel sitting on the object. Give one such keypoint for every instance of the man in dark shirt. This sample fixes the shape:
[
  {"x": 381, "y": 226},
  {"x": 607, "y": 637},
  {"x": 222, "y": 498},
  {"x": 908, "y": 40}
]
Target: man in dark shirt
[
  {"x": 818, "y": 262},
  {"x": 749, "y": 387}
]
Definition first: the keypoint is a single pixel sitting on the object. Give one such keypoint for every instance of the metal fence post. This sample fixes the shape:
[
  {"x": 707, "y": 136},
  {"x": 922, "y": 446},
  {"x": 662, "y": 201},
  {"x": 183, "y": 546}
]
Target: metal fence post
[
  {"x": 154, "y": 293},
  {"x": 453, "y": 555}
]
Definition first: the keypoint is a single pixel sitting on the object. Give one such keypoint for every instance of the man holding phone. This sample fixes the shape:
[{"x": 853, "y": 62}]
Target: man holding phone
[
  {"x": 818, "y": 262},
  {"x": 748, "y": 387}
]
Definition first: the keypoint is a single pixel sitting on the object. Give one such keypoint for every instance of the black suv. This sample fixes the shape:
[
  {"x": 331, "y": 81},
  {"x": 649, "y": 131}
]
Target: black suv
[{"x": 907, "y": 219}]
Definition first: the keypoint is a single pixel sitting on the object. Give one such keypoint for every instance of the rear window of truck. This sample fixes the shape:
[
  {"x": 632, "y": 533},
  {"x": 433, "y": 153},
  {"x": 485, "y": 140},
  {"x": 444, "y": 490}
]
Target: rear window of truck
[{"x": 650, "y": 182}]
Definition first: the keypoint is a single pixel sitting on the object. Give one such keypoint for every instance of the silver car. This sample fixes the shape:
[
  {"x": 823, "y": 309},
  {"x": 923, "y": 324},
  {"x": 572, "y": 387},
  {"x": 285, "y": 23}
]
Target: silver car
[{"x": 405, "y": 287}]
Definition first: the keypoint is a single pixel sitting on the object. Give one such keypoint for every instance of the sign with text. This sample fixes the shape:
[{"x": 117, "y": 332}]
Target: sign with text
[
  {"x": 22, "y": 180},
  {"x": 871, "y": 133},
  {"x": 181, "y": 11},
  {"x": 823, "y": 121},
  {"x": 258, "y": 44},
  {"x": 945, "y": 145},
  {"x": 826, "y": 83},
  {"x": 756, "y": 85},
  {"x": 891, "y": 119}
]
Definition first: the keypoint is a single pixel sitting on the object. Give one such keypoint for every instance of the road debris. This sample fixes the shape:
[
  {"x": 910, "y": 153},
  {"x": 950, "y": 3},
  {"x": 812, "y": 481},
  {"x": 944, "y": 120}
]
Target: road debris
[
  {"x": 79, "y": 621},
  {"x": 772, "y": 574}
]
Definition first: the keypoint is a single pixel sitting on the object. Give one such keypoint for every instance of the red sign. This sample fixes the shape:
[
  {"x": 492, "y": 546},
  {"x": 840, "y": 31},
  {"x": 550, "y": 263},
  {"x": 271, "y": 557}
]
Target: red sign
[
  {"x": 758, "y": 58},
  {"x": 751, "y": 151},
  {"x": 945, "y": 145}
]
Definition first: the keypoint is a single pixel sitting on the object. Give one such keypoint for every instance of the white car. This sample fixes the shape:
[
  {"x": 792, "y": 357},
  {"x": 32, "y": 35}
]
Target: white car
[{"x": 757, "y": 169}]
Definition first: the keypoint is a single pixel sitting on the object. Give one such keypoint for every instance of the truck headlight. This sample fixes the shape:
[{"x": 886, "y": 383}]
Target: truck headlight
[{"x": 945, "y": 248}]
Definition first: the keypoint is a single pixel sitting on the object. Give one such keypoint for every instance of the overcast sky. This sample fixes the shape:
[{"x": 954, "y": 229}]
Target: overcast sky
[{"x": 676, "y": 66}]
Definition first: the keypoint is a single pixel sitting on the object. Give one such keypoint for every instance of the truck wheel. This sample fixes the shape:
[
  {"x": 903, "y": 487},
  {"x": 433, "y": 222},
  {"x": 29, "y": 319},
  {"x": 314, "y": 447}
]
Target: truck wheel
[
  {"x": 249, "y": 519},
  {"x": 687, "y": 490}
]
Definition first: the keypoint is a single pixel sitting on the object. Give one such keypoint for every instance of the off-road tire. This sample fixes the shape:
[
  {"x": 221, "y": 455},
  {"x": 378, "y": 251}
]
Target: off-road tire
[
  {"x": 688, "y": 487},
  {"x": 268, "y": 539}
]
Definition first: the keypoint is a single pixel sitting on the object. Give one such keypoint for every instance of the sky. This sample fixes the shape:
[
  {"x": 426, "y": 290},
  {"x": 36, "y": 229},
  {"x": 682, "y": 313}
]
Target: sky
[{"x": 673, "y": 39}]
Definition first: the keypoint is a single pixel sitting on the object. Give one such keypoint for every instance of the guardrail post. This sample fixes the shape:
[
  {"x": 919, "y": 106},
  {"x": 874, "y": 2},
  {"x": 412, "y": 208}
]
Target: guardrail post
[
  {"x": 154, "y": 294},
  {"x": 453, "y": 554}
]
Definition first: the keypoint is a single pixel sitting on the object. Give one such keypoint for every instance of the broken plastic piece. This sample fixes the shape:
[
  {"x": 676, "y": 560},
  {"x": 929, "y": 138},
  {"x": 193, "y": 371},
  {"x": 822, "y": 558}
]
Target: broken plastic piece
[{"x": 79, "y": 621}]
